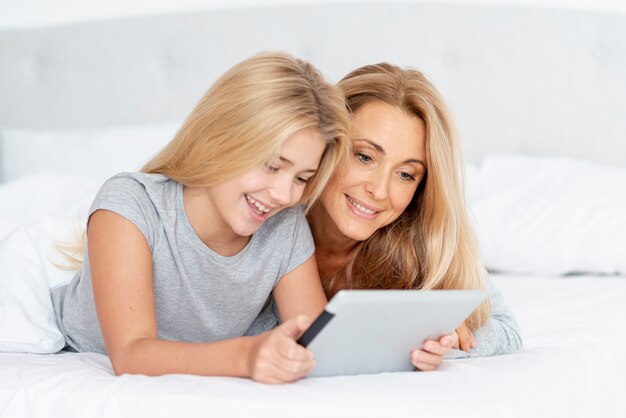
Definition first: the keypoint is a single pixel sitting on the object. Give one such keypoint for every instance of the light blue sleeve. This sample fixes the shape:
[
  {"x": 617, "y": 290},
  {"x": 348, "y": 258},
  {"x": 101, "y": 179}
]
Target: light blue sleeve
[{"x": 499, "y": 335}]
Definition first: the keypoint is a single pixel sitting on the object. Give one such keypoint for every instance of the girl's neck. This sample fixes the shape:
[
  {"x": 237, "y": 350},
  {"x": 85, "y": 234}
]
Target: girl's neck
[{"x": 200, "y": 211}]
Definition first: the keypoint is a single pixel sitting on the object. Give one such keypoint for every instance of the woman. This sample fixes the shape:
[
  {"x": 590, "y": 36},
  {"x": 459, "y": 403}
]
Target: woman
[
  {"x": 394, "y": 215},
  {"x": 182, "y": 256}
]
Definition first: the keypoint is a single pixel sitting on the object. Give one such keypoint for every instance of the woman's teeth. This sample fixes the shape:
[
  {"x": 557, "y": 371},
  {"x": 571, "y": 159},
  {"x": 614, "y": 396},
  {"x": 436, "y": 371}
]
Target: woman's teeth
[
  {"x": 360, "y": 207},
  {"x": 259, "y": 207}
]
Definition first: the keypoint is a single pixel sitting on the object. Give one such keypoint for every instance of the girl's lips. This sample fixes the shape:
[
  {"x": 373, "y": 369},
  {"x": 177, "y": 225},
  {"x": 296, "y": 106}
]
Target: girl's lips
[{"x": 258, "y": 211}]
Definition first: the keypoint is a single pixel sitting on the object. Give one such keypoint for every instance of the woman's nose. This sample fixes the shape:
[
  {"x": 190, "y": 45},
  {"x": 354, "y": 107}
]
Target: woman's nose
[{"x": 378, "y": 185}]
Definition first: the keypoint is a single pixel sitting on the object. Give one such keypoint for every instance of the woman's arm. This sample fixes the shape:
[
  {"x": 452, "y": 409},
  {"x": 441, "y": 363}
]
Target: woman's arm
[
  {"x": 121, "y": 271},
  {"x": 499, "y": 335}
]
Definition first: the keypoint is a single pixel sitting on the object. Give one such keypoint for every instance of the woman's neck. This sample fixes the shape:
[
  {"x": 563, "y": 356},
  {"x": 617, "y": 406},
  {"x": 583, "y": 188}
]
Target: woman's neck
[{"x": 333, "y": 250}]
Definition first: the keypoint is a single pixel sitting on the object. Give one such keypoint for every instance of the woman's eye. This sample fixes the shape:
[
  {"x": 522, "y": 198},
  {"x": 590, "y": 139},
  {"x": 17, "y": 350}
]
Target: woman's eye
[
  {"x": 271, "y": 168},
  {"x": 406, "y": 176},
  {"x": 364, "y": 158}
]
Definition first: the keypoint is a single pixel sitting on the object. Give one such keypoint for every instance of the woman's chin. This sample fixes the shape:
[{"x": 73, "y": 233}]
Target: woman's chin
[{"x": 357, "y": 232}]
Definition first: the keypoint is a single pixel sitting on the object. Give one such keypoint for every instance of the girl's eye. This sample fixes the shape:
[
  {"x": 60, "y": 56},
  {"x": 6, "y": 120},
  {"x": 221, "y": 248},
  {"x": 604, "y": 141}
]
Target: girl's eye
[
  {"x": 271, "y": 168},
  {"x": 406, "y": 176},
  {"x": 301, "y": 180},
  {"x": 364, "y": 158}
]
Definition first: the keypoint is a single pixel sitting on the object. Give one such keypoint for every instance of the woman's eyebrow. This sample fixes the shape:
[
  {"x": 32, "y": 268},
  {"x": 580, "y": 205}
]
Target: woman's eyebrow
[
  {"x": 372, "y": 143},
  {"x": 382, "y": 151},
  {"x": 413, "y": 160}
]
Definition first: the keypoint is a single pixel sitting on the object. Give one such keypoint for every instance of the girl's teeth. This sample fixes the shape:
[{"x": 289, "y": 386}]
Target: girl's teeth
[{"x": 257, "y": 205}]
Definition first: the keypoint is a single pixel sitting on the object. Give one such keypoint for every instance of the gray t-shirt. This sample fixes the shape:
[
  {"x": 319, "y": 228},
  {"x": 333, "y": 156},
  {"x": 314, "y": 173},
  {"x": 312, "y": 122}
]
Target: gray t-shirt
[{"x": 199, "y": 295}]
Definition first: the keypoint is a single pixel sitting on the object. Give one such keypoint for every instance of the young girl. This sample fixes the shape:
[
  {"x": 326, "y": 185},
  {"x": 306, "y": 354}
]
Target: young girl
[{"x": 182, "y": 257}]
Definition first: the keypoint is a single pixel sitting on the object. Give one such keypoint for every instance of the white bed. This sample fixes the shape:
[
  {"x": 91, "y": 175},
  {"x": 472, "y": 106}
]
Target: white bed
[
  {"x": 539, "y": 94},
  {"x": 571, "y": 366}
]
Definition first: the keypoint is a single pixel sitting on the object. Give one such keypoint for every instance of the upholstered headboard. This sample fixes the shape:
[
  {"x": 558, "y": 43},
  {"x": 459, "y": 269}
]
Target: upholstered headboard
[{"x": 518, "y": 79}]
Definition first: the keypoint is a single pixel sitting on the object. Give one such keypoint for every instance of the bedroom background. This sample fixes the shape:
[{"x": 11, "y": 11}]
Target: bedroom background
[{"x": 538, "y": 91}]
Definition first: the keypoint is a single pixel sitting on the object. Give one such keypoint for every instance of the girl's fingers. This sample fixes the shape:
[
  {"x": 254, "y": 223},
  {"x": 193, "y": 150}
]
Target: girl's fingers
[
  {"x": 288, "y": 349},
  {"x": 282, "y": 360},
  {"x": 294, "y": 370}
]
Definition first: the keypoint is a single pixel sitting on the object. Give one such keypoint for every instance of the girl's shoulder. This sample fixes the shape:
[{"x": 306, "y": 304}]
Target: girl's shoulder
[
  {"x": 288, "y": 227},
  {"x": 147, "y": 200},
  {"x": 286, "y": 219},
  {"x": 142, "y": 187},
  {"x": 133, "y": 179}
]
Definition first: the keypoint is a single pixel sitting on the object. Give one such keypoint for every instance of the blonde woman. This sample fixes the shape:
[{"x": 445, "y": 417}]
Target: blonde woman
[
  {"x": 181, "y": 257},
  {"x": 394, "y": 216}
]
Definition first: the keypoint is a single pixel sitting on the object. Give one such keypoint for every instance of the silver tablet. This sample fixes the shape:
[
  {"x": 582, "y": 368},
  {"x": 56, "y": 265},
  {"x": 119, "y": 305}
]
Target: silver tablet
[{"x": 374, "y": 331}]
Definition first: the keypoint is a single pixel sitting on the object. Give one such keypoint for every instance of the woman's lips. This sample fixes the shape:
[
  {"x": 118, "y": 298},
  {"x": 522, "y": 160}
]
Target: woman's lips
[{"x": 361, "y": 209}]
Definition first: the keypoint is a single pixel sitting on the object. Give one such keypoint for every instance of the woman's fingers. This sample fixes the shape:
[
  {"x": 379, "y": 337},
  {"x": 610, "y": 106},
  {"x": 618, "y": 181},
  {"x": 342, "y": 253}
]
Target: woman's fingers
[
  {"x": 433, "y": 352},
  {"x": 466, "y": 338},
  {"x": 441, "y": 347},
  {"x": 425, "y": 361}
]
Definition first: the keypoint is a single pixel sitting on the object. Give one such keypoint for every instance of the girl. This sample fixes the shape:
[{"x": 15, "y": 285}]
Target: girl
[{"x": 182, "y": 257}]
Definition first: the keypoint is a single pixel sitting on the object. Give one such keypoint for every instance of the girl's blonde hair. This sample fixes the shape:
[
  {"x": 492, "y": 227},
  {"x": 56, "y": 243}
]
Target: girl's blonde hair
[
  {"x": 245, "y": 117},
  {"x": 242, "y": 121},
  {"x": 431, "y": 245}
]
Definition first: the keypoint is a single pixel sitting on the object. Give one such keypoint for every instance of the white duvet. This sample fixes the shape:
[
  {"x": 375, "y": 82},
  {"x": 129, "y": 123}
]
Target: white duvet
[{"x": 572, "y": 365}]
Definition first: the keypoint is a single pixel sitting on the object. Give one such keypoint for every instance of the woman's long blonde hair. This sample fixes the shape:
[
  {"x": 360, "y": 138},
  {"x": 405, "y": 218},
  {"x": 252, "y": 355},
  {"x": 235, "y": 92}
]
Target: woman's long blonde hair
[
  {"x": 431, "y": 245},
  {"x": 242, "y": 121}
]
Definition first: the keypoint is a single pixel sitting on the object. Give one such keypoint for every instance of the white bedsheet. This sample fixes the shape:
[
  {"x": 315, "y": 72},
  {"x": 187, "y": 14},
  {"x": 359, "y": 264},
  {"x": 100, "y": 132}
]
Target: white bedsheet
[{"x": 572, "y": 366}]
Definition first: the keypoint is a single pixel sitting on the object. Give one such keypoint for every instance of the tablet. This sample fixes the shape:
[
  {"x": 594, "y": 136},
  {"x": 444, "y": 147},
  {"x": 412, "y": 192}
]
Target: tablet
[{"x": 374, "y": 331}]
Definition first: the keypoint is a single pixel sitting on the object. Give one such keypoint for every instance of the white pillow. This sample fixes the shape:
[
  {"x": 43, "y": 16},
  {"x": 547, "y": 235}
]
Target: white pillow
[
  {"x": 27, "y": 272},
  {"x": 51, "y": 210},
  {"x": 27, "y": 199},
  {"x": 550, "y": 215},
  {"x": 96, "y": 154}
]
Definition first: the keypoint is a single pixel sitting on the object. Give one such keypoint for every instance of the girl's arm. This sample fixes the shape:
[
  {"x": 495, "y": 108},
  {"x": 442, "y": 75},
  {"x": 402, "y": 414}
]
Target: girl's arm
[
  {"x": 300, "y": 292},
  {"x": 121, "y": 271}
]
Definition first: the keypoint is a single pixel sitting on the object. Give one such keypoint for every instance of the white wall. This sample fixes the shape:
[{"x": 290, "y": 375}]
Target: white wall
[{"x": 33, "y": 13}]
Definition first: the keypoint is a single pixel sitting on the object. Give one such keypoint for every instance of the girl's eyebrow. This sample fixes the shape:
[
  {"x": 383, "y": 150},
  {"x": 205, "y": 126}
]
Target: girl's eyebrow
[
  {"x": 382, "y": 151},
  {"x": 287, "y": 161}
]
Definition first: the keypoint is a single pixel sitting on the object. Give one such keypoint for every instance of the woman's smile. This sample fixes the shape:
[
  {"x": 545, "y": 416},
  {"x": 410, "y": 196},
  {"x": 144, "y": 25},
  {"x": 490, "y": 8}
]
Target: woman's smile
[{"x": 361, "y": 209}]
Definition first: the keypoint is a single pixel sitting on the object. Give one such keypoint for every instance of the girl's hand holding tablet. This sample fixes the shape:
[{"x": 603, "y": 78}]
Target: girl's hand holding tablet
[{"x": 275, "y": 357}]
